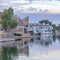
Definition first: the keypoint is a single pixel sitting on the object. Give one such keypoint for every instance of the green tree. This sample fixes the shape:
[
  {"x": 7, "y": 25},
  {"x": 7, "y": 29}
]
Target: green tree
[
  {"x": 45, "y": 21},
  {"x": 4, "y": 25},
  {"x": 7, "y": 19},
  {"x": 54, "y": 27},
  {"x": 12, "y": 23}
]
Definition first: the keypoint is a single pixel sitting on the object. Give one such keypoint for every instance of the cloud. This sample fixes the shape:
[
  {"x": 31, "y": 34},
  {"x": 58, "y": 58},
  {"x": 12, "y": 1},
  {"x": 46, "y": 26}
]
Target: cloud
[{"x": 32, "y": 6}]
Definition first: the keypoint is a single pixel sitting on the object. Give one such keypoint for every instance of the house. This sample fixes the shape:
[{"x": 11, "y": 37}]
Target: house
[
  {"x": 22, "y": 28},
  {"x": 36, "y": 28},
  {"x": 57, "y": 32}
]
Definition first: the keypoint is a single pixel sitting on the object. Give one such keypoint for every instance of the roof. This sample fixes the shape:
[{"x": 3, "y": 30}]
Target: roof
[
  {"x": 37, "y": 24},
  {"x": 20, "y": 22}
]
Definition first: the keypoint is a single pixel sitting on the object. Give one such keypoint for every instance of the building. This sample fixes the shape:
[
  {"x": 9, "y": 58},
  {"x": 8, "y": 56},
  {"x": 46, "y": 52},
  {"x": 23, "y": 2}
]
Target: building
[
  {"x": 36, "y": 28},
  {"x": 22, "y": 26},
  {"x": 57, "y": 32}
]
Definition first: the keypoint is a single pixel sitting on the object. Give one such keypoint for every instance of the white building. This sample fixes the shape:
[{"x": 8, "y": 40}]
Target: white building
[{"x": 40, "y": 28}]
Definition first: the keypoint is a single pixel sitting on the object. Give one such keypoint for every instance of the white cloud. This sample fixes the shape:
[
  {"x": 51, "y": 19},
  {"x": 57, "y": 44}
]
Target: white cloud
[{"x": 32, "y": 6}]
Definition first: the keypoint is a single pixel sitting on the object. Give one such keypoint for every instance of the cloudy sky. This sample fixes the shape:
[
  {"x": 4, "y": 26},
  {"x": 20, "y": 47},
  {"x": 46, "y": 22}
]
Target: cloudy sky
[{"x": 36, "y": 9}]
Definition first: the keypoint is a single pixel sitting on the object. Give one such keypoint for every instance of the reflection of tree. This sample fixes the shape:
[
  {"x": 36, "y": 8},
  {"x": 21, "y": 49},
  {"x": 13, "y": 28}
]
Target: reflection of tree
[
  {"x": 54, "y": 38},
  {"x": 8, "y": 53},
  {"x": 58, "y": 37},
  {"x": 45, "y": 43}
]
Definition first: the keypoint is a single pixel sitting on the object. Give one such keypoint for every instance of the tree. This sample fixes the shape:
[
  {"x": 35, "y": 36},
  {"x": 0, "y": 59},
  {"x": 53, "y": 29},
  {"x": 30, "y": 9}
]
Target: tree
[
  {"x": 46, "y": 22},
  {"x": 12, "y": 23},
  {"x": 54, "y": 26},
  {"x": 4, "y": 24},
  {"x": 7, "y": 14},
  {"x": 7, "y": 19}
]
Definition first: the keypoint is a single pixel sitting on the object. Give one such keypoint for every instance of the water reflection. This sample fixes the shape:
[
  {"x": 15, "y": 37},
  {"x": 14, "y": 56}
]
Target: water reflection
[
  {"x": 8, "y": 53},
  {"x": 46, "y": 40},
  {"x": 58, "y": 38},
  {"x": 36, "y": 47}
]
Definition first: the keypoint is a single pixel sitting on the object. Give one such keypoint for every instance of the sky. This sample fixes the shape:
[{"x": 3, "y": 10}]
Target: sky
[{"x": 35, "y": 9}]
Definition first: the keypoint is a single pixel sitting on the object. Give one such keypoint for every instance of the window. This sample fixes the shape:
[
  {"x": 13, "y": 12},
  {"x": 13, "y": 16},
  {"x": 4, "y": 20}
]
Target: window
[
  {"x": 31, "y": 26},
  {"x": 26, "y": 25},
  {"x": 31, "y": 32},
  {"x": 25, "y": 42},
  {"x": 39, "y": 33},
  {"x": 40, "y": 27},
  {"x": 45, "y": 31},
  {"x": 25, "y": 30}
]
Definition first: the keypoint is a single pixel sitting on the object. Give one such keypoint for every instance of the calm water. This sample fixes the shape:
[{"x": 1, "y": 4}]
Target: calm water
[{"x": 45, "y": 48}]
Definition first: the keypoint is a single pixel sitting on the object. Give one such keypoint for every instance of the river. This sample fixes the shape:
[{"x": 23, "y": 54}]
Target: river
[{"x": 45, "y": 48}]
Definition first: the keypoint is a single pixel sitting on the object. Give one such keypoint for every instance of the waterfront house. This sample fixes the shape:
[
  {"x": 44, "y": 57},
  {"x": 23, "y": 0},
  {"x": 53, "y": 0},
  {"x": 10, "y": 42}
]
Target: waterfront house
[
  {"x": 22, "y": 28},
  {"x": 57, "y": 32},
  {"x": 36, "y": 28}
]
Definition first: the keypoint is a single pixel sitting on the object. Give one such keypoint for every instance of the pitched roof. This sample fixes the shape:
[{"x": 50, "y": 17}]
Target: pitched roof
[{"x": 20, "y": 22}]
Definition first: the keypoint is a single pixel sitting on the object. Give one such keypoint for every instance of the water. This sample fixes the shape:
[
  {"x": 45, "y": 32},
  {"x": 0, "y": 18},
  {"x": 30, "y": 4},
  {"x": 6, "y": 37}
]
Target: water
[{"x": 45, "y": 48}]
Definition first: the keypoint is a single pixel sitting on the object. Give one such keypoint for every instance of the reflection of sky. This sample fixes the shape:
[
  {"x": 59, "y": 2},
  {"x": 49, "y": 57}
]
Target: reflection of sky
[
  {"x": 51, "y": 52},
  {"x": 36, "y": 52},
  {"x": 39, "y": 52}
]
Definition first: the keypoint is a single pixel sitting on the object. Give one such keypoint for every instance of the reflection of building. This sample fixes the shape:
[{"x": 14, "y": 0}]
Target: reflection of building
[
  {"x": 0, "y": 51},
  {"x": 46, "y": 37}
]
